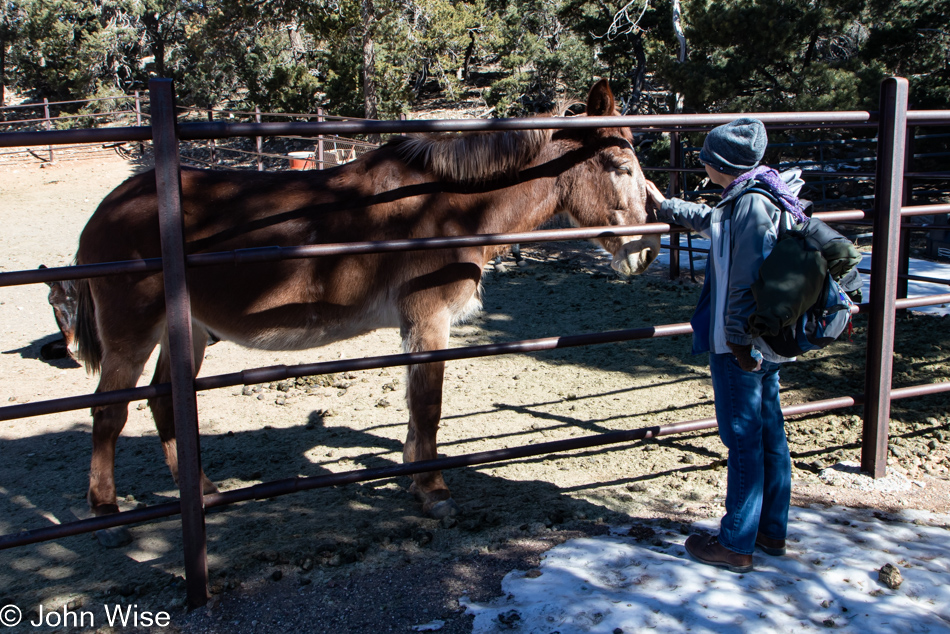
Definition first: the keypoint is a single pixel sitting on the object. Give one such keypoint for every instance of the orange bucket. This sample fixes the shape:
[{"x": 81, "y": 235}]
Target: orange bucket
[{"x": 302, "y": 160}]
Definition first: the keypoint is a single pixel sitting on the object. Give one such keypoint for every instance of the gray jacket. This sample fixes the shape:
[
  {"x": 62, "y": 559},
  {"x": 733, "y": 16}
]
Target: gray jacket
[{"x": 742, "y": 231}]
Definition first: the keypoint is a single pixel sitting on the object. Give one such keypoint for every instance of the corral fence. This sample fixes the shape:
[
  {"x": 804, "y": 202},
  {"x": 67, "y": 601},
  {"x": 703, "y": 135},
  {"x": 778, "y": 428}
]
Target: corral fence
[
  {"x": 50, "y": 115},
  {"x": 273, "y": 153},
  {"x": 892, "y": 122}
]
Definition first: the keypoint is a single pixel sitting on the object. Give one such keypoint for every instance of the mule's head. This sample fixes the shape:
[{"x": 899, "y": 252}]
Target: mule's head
[
  {"x": 62, "y": 297},
  {"x": 608, "y": 187}
]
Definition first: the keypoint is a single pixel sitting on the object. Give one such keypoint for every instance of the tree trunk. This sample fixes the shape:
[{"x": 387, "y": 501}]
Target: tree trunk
[
  {"x": 370, "y": 98},
  {"x": 639, "y": 73},
  {"x": 3, "y": 73},
  {"x": 297, "y": 49},
  {"x": 153, "y": 28},
  {"x": 469, "y": 51},
  {"x": 3, "y": 52},
  {"x": 681, "y": 36}
]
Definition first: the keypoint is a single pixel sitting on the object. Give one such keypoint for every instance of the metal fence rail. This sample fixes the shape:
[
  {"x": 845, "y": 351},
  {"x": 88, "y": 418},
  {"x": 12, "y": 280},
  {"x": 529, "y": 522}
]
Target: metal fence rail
[
  {"x": 133, "y": 107},
  {"x": 165, "y": 132}
]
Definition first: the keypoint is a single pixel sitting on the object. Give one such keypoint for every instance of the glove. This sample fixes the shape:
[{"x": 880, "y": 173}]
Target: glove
[{"x": 744, "y": 356}]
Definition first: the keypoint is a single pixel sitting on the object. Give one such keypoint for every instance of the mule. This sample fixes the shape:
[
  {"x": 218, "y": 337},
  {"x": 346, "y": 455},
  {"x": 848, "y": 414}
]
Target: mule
[
  {"x": 62, "y": 297},
  {"x": 411, "y": 187}
]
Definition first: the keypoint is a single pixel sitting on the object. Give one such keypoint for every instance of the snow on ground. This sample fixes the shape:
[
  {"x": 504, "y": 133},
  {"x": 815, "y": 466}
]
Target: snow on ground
[{"x": 631, "y": 581}]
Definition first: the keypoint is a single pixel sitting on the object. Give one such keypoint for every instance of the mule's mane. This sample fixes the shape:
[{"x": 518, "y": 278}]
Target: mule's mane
[{"x": 474, "y": 156}]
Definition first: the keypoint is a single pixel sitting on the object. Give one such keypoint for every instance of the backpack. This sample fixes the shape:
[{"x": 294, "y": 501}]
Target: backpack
[
  {"x": 826, "y": 320},
  {"x": 802, "y": 291}
]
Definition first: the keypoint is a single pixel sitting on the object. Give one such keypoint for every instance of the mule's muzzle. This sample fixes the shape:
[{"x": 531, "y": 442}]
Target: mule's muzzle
[{"x": 636, "y": 255}]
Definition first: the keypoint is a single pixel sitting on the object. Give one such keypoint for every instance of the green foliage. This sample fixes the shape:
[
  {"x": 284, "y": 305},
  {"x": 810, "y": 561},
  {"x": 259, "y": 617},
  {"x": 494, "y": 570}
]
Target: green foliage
[
  {"x": 617, "y": 44},
  {"x": 776, "y": 55},
  {"x": 298, "y": 55},
  {"x": 809, "y": 54},
  {"x": 290, "y": 89},
  {"x": 911, "y": 38},
  {"x": 70, "y": 48},
  {"x": 544, "y": 63},
  {"x": 442, "y": 35}
]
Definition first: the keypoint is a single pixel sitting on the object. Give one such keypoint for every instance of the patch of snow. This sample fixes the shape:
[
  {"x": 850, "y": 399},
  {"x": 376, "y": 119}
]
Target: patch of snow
[
  {"x": 848, "y": 474},
  {"x": 828, "y": 579}
]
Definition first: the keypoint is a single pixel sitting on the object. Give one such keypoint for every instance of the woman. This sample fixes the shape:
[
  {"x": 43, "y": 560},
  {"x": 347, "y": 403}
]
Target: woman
[{"x": 742, "y": 230}]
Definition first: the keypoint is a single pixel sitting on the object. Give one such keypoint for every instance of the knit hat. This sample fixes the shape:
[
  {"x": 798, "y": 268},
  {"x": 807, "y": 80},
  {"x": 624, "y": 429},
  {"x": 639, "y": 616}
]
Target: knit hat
[{"x": 735, "y": 147}]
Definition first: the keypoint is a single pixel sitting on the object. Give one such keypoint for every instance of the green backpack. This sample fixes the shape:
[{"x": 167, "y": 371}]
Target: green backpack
[{"x": 804, "y": 287}]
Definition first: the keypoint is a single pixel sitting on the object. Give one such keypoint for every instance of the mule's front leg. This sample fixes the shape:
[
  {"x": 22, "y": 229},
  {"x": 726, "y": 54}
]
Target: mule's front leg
[
  {"x": 424, "y": 396},
  {"x": 427, "y": 328}
]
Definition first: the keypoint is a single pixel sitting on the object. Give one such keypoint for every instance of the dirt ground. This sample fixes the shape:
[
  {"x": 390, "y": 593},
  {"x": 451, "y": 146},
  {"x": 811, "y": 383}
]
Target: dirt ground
[{"x": 362, "y": 557}]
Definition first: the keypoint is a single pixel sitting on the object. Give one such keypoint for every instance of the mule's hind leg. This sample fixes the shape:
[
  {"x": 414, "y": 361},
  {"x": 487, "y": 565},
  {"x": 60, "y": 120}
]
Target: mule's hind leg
[
  {"x": 162, "y": 410},
  {"x": 120, "y": 370},
  {"x": 424, "y": 397}
]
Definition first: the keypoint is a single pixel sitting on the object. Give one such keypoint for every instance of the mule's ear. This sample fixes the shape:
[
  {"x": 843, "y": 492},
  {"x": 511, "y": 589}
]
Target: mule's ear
[
  {"x": 43, "y": 266},
  {"x": 600, "y": 101}
]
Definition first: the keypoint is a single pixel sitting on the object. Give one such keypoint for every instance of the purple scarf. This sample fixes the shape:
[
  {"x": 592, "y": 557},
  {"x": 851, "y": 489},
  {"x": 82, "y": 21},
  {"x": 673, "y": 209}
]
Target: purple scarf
[{"x": 777, "y": 186}]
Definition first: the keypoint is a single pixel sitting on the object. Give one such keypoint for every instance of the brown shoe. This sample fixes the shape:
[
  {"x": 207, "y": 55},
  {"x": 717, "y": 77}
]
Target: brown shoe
[
  {"x": 708, "y": 550},
  {"x": 769, "y": 546}
]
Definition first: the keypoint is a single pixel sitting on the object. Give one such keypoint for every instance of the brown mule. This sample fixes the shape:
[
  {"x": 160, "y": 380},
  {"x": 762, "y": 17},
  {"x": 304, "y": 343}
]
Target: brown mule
[
  {"x": 62, "y": 297},
  {"x": 409, "y": 188}
]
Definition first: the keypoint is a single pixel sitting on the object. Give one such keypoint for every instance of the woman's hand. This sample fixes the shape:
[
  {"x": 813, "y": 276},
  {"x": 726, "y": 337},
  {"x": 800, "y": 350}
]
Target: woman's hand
[
  {"x": 655, "y": 194},
  {"x": 744, "y": 356}
]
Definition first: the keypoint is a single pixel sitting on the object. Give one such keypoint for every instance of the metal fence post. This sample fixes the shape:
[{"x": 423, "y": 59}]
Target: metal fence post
[
  {"x": 178, "y": 311},
  {"x": 675, "y": 163},
  {"x": 260, "y": 156},
  {"x": 211, "y": 143},
  {"x": 138, "y": 117},
  {"x": 320, "y": 151},
  {"x": 906, "y": 200},
  {"x": 885, "y": 260},
  {"x": 49, "y": 124}
]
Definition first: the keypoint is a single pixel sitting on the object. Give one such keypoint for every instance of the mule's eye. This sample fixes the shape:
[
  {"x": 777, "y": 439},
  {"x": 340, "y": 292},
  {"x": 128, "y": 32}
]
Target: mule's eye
[{"x": 623, "y": 168}]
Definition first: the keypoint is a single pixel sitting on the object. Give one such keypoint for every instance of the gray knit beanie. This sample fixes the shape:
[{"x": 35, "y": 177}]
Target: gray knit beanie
[{"x": 735, "y": 147}]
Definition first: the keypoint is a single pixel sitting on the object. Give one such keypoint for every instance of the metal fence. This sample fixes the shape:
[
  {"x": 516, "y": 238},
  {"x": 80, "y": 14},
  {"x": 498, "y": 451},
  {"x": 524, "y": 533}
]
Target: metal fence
[
  {"x": 891, "y": 121},
  {"x": 237, "y": 153}
]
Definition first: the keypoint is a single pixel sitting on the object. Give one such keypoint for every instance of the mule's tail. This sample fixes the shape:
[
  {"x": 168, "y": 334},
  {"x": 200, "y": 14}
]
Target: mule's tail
[{"x": 88, "y": 345}]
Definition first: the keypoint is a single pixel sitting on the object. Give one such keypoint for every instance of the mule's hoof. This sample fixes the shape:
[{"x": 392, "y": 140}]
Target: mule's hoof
[
  {"x": 444, "y": 508},
  {"x": 115, "y": 537}
]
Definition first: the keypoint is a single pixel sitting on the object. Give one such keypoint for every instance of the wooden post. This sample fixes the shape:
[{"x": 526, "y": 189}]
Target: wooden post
[
  {"x": 319, "y": 156},
  {"x": 178, "y": 316},
  {"x": 260, "y": 156},
  {"x": 49, "y": 124},
  {"x": 885, "y": 247}
]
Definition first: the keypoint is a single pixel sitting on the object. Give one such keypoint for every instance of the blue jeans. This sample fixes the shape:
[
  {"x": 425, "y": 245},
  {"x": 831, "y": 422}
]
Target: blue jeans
[{"x": 752, "y": 428}]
